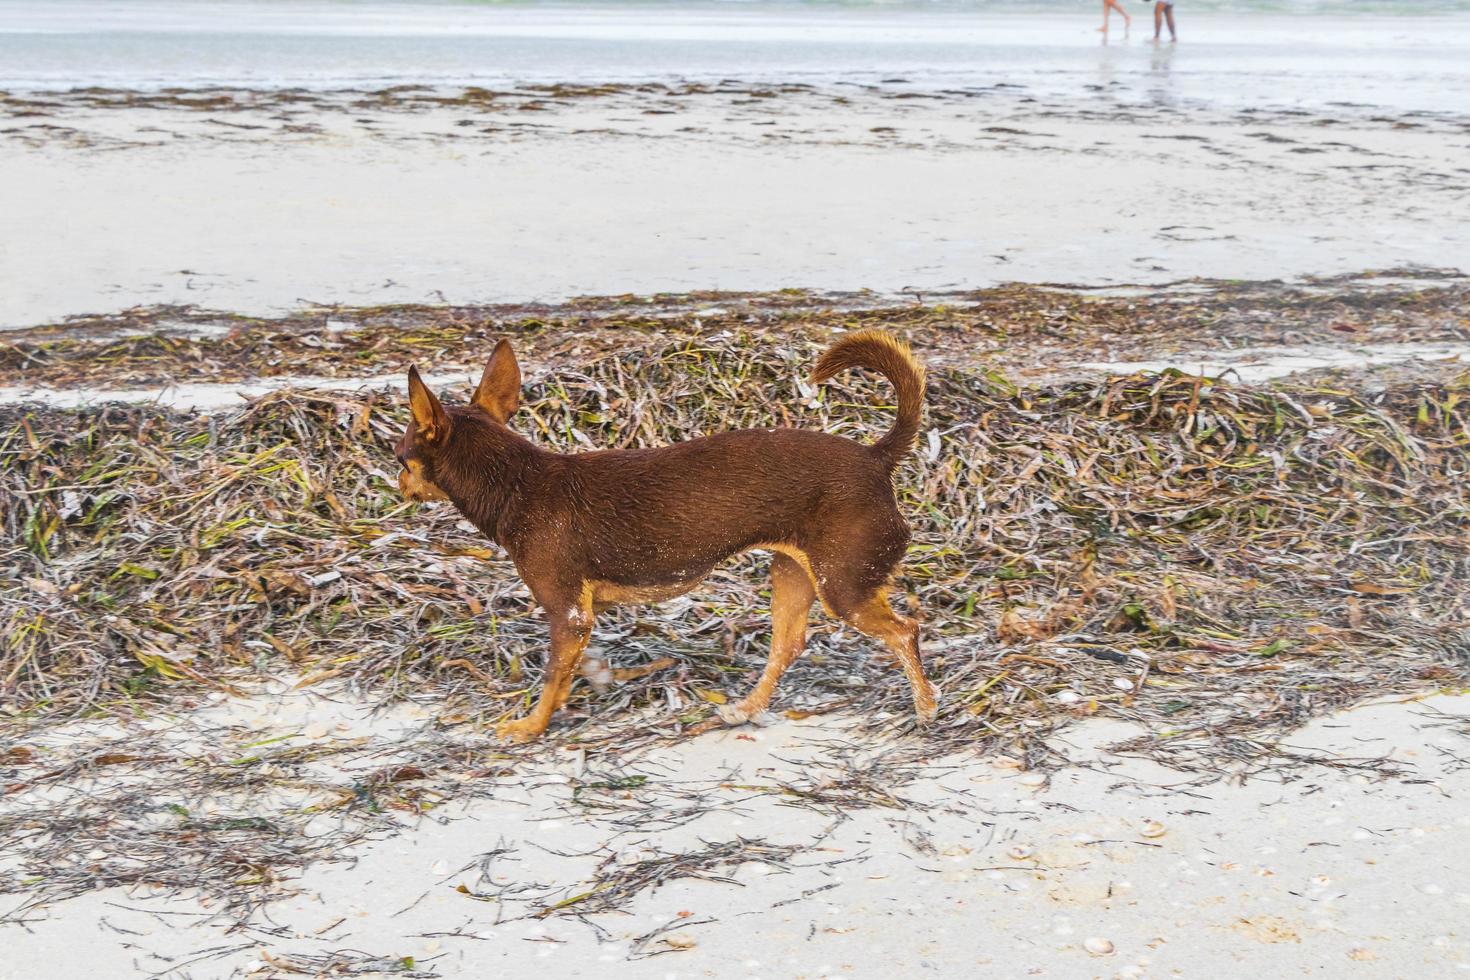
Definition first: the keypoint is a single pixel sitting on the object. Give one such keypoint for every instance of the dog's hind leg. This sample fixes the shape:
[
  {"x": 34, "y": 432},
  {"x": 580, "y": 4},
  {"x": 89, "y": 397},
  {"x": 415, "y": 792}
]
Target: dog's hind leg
[
  {"x": 571, "y": 628},
  {"x": 853, "y": 566},
  {"x": 875, "y": 617},
  {"x": 792, "y": 593}
]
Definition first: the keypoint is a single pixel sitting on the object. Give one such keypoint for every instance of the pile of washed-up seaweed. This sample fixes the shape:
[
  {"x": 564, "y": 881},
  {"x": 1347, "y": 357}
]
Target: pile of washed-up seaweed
[{"x": 1202, "y": 556}]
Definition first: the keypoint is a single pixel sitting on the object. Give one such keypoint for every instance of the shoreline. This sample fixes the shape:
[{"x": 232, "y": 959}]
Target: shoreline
[
  {"x": 542, "y": 194},
  {"x": 1271, "y": 53}
]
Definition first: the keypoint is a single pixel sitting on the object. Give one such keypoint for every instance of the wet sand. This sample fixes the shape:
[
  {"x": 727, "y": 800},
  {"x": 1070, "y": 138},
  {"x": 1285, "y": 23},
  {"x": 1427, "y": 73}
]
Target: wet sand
[{"x": 364, "y": 200}]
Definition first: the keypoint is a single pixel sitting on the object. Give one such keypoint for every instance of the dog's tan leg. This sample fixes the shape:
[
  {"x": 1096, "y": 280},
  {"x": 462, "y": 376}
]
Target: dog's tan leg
[
  {"x": 876, "y": 618},
  {"x": 571, "y": 628},
  {"x": 792, "y": 593},
  {"x": 567, "y": 669}
]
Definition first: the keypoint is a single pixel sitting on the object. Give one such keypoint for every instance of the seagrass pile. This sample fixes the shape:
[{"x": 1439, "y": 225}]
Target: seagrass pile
[{"x": 1235, "y": 556}]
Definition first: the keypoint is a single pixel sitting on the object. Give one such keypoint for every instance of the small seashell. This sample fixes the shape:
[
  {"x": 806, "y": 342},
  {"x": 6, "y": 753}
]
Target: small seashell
[
  {"x": 632, "y": 855},
  {"x": 1152, "y": 828},
  {"x": 1020, "y": 852},
  {"x": 1098, "y": 946},
  {"x": 1122, "y": 684},
  {"x": 316, "y": 730},
  {"x": 1005, "y": 762},
  {"x": 440, "y": 867},
  {"x": 1321, "y": 881},
  {"x": 1033, "y": 779},
  {"x": 1068, "y": 697}
]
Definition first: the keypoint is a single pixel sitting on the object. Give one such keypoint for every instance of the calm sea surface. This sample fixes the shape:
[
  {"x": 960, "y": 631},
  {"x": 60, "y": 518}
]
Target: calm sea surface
[{"x": 1307, "y": 53}]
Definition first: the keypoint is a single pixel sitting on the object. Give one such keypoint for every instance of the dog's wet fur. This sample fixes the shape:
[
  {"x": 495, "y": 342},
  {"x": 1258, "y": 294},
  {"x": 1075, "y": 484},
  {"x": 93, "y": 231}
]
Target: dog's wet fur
[{"x": 641, "y": 525}]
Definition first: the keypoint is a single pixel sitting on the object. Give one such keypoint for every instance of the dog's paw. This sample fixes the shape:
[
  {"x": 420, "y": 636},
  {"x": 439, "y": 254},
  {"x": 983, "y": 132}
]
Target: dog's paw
[
  {"x": 927, "y": 708},
  {"x": 519, "y": 731},
  {"x": 734, "y": 714}
]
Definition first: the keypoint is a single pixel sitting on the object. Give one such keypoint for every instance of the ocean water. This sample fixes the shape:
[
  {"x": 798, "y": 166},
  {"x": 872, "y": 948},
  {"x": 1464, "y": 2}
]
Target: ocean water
[{"x": 1400, "y": 55}]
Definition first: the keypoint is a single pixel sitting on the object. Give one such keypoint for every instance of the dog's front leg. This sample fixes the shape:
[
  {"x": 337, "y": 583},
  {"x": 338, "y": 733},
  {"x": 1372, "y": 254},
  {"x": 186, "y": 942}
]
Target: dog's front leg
[{"x": 571, "y": 627}]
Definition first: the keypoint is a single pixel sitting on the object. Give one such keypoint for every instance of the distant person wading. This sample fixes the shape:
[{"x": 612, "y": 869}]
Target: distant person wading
[
  {"x": 1108, "y": 7},
  {"x": 1164, "y": 10}
]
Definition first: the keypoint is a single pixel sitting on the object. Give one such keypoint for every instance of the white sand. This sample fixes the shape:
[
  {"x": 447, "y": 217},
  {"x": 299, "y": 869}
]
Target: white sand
[
  {"x": 206, "y": 396},
  {"x": 1325, "y": 872},
  {"x": 1253, "y": 365}
]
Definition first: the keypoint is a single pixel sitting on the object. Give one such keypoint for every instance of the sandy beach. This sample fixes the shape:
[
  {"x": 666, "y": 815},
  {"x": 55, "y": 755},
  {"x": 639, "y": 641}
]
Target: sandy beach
[
  {"x": 1189, "y": 499},
  {"x": 738, "y": 864}
]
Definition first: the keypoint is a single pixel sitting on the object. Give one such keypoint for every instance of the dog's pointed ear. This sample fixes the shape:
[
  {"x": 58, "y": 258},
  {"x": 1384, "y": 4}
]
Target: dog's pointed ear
[
  {"x": 499, "y": 392},
  {"x": 428, "y": 414}
]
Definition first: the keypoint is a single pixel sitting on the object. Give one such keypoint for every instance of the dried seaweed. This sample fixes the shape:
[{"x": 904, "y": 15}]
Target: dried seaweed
[
  {"x": 1016, "y": 328},
  {"x": 1217, "y": 562},
  {"x": 615, "y": 882},
  {"x": 1067, "y": 535}
]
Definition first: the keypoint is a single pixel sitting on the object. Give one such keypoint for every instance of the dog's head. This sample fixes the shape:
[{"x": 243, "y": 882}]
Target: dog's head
[{"x": 427, "y": 443}]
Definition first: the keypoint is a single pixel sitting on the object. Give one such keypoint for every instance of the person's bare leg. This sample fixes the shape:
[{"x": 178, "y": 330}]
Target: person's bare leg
[
  {"x": 1158, "y": 19},
  {"x": 1169, "y": 13},
  {"x": 1108, "y": 7}
]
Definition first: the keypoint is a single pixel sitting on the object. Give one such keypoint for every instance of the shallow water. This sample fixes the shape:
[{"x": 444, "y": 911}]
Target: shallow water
[{"x": 1282, "y": 54}]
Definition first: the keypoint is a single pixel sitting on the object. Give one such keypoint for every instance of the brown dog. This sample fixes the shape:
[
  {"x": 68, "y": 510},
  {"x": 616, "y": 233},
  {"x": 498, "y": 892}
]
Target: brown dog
[{"x": 642, "y": 525}]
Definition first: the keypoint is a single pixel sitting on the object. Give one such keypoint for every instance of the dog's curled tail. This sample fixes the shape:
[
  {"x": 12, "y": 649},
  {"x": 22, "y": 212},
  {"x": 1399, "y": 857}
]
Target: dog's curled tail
[{"x": 890, "y": 357}]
